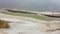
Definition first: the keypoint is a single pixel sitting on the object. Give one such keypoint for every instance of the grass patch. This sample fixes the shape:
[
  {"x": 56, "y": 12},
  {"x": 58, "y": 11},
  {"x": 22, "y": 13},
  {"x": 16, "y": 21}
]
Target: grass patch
[{"x": 34, "y": 16}]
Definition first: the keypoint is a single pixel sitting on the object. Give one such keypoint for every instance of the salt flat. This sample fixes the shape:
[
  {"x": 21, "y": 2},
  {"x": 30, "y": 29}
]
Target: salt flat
[{"x": 23, "y": 25}]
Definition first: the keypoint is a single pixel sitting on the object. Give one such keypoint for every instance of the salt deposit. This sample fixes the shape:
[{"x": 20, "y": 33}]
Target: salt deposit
[{"x": 24, "y": 25}]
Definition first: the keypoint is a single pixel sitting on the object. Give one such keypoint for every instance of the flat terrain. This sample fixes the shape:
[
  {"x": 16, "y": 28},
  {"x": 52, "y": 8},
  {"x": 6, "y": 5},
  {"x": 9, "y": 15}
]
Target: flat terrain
[
  {"x": 20, "y": 25},
  {"x": 23, "y": 25}
]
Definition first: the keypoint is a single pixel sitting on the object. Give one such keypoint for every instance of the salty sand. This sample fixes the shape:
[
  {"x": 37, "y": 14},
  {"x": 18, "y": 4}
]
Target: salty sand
[{"x": 23, "y": 25}]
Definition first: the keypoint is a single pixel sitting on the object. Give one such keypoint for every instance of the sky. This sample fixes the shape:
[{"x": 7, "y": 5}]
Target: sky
[{"x": 31, "y": 4}]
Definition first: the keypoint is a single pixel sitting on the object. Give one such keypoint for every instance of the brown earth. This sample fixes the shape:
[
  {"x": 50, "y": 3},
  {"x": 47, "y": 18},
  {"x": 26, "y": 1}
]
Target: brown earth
[{"x": 3, "y": 24}]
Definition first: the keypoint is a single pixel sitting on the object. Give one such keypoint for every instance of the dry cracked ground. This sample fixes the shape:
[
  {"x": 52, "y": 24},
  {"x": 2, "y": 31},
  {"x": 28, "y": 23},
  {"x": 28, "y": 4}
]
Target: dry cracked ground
[{"x": 24, "y": 25}]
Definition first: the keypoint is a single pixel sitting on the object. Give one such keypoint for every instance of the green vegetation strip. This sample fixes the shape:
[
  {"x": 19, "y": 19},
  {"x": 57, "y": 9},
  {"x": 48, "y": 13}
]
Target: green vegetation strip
[{"x": 29, "y": 15}]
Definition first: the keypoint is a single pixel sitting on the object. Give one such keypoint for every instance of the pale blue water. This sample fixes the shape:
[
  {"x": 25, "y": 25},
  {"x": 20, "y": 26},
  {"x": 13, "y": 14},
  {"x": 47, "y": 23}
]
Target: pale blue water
[{"x": 38, "y": 5}]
